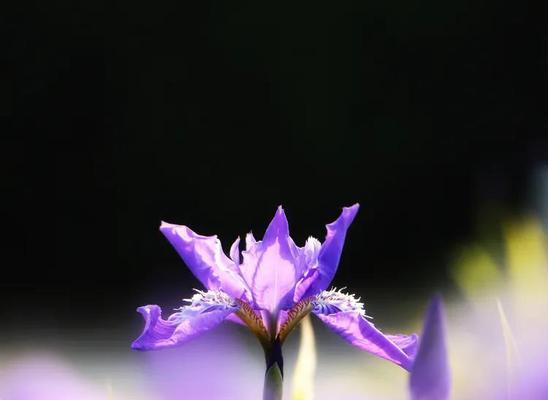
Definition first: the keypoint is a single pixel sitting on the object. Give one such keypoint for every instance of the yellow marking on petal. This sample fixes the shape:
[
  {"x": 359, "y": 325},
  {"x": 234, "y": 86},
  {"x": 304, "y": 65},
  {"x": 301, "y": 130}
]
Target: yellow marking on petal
[{"x": 305, "y": 368}]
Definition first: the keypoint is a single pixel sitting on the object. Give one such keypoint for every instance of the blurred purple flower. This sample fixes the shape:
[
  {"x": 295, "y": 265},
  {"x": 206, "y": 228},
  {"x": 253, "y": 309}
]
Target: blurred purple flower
[
  {"x": 270, "y": 289},
  {"x": 430, "y": 378},
  {"x": 179, "y": 373},
  {"x": 44, "y": 377}
]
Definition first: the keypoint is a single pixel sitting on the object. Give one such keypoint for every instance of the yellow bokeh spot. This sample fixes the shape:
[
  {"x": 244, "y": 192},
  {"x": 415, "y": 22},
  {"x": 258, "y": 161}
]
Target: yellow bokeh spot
[
  {"x": 526, "y": 258},
  {"x": 476, "y": 273}
]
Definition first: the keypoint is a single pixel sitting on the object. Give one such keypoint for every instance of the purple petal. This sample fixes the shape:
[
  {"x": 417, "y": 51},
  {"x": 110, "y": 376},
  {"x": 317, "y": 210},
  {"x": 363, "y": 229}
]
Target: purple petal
[
  {"x": 177, "y": 329},
  {"x": 408, "y": 343},
  {"x": 330, "y": 252},
  {"x": 309, "y": 269},
  {"x": 430, "y": 376},
  {"x": 270, "y": 266},
  {"x": 359, "y": 332},
  {"x": 303, "y": 285},
  {"x": 249, "y": 241},
  {"x": 235, "y": 319},
  {"x": 250, "y": 256},
  {"x": 235, "y": 251},
  {"x": 204, "y": 256},
  {"x": 278, "y": 228}
]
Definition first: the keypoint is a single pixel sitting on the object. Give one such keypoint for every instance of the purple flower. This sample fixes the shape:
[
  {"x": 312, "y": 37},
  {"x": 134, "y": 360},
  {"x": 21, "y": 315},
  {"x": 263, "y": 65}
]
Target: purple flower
[
  {"x": 269, "y": 287},
  {"x": 430, "y": 378}
]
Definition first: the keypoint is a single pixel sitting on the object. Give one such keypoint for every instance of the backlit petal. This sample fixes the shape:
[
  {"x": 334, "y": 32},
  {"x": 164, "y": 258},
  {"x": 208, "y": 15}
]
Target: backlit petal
[
  {"x": 309, "y": 270},
  {"x": 204, "y": 313},
  {"x": 330, "y": 252},
  {"x": 408, "y": 343},
  {"x": 235, "y": 252},
  {"x": 359, "y": 332},
  {"x": 270, "y": 266},
  {"x": 204, "y": 256}
]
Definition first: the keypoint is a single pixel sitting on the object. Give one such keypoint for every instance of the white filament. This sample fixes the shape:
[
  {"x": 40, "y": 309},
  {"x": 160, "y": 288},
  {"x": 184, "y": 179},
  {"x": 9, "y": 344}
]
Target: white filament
[
  {"x": 202, "y": 301},
  {"x": 330, "y": 300}
]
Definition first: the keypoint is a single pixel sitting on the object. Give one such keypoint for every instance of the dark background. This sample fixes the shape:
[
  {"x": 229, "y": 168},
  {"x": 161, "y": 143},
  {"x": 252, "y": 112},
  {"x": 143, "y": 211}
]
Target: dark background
[{"x": 117, "y": 115}]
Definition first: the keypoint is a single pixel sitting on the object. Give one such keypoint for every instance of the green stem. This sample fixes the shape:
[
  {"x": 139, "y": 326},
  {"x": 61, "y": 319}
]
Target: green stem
[
  {"x": 273, "y": 379},
  {"x": 273, "y": 383}
]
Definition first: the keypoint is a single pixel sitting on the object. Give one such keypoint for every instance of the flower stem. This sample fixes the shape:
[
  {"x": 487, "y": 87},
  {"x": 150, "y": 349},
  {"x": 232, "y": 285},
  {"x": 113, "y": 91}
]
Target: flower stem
[
  {"x": 273, "y": 379},
  {"x": 273, "y": 383}
]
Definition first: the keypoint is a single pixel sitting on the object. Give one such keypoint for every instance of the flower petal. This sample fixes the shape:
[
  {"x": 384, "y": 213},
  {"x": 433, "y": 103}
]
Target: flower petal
[
  {"x": 302, "y": 286},
  {"x": 278, "y": 227},
  {"x": 235, "y": 319},
  {"x": 359, "y": 332},
  {"x": 270, "y": 266},
  {"x": 288, "y": 320},
  {"x": 309, "y": 268},
  {"x": 330, "y": 252},
  {"x": 178, "y": 328},
  {"x": 204, "y": 256},
  {"x": 430, "y": 376},
  {"x": 408, "y": 343},
  {"x": 249, "y": 241},
  {"x": 235, "y": 251}
]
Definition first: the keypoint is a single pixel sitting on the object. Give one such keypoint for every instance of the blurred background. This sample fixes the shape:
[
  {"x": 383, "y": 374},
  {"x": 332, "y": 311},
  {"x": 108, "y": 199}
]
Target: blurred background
[{"x": 117, "y": 115}]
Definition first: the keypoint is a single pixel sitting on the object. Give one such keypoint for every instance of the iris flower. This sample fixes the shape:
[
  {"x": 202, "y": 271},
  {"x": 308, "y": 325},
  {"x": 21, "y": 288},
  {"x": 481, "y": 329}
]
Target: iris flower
[{"x": 269, "y": 287}]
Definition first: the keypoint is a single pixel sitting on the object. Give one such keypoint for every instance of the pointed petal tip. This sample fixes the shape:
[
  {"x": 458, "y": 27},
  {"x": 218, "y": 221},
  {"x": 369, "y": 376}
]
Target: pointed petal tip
[
  {"x": 249, "y": 237},
  {"x": 166, "y": 226},
  {"x": 346, "y": 217},
  {"x": 280, "y": 212},
  {"x": 169, "y": 227},
  {"x": 434, "y": 319},
  {"x": 430, "y": 376},
  {"x": 351, "y": 211},
  {"x": 145, "y": 309},
  {"x": 435, "y": 306},
  {"x": 235, "y": 251},
  {"x": 437, "y": 299},
  {"x": 137, "y": 346},
  {"x": 278, "y": 227}
]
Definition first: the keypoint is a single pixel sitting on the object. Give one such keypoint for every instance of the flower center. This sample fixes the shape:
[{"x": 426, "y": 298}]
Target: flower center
[
  {"x": 332, "y": 301},
  {"x": 254, "y": 321},
  {"x": 293, "y": 317}
]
